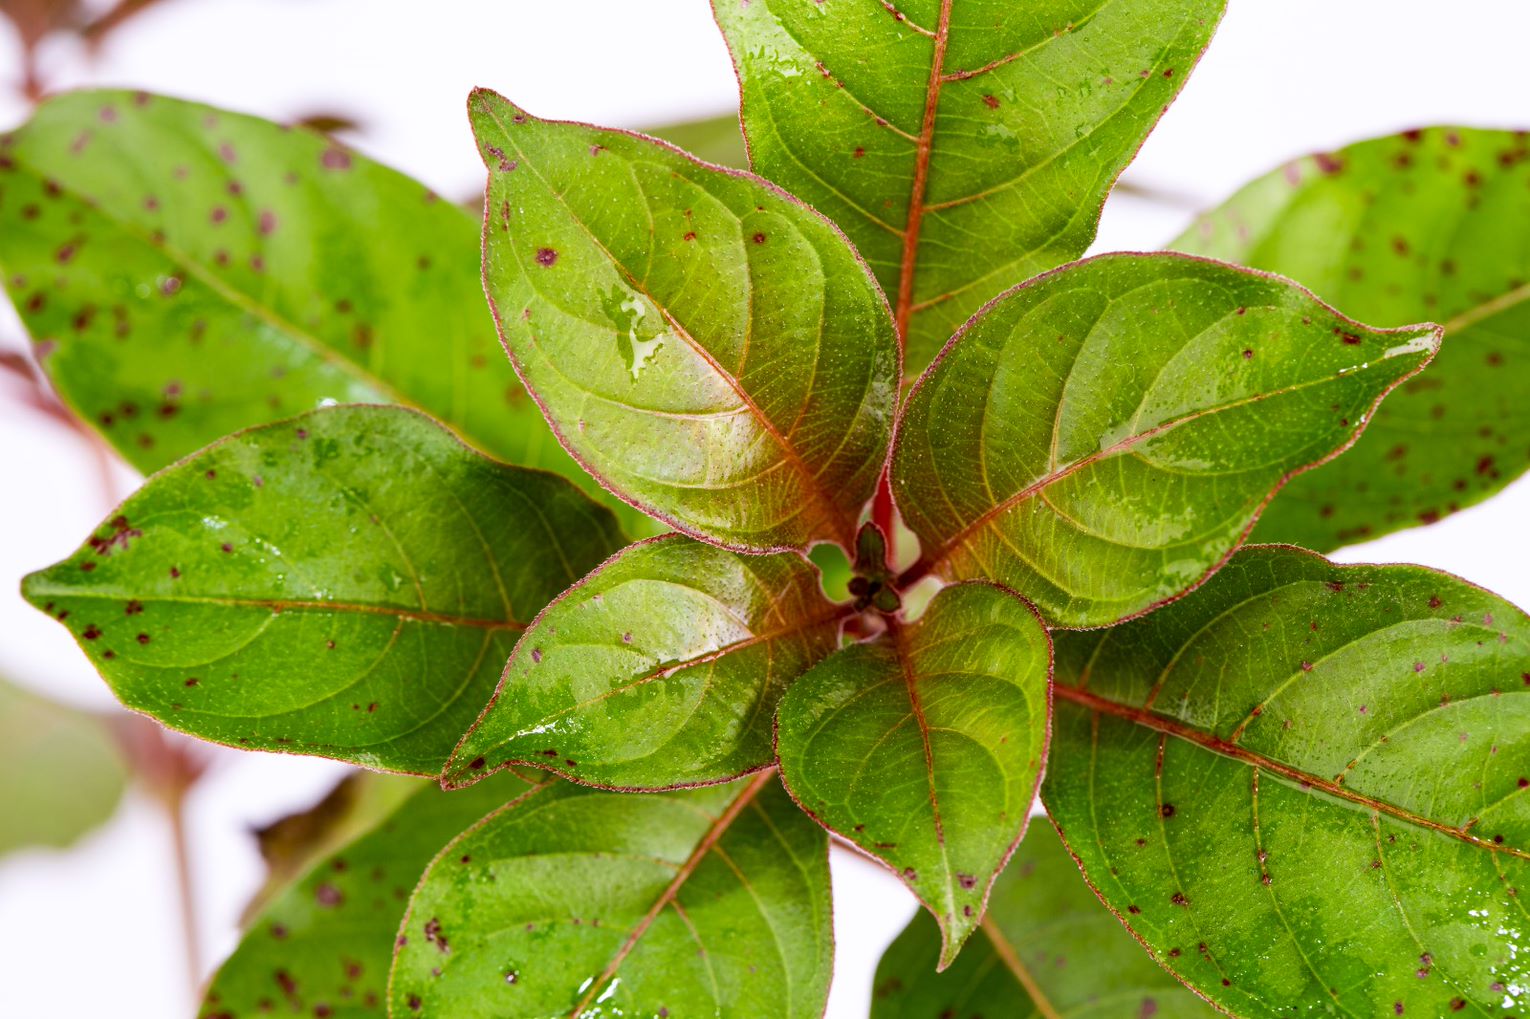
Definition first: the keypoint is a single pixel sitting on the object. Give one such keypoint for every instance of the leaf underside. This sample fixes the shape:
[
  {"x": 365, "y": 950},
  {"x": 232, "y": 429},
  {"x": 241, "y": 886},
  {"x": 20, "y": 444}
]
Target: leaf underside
[
  {"x": 924, "y": 747},
  {"x": 662, "y": 668},
  {"x": 1304, "y": 786},
  {"x": 187, "y": 272},
  {"x": 709, "y": 347},
  {"x": 1046, "y": 949},
  {"x": 964, "y": 145},
  {"x": 1101, "y": 438},
  {"x": 577, "y": 902},
  {"x": 324, "y": 945},
  {"x": 1427, "y": 224},
  {"x": 346, "y": 584}
]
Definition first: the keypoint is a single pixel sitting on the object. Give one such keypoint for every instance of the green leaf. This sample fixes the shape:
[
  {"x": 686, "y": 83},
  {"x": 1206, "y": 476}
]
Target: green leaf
[
  {"x": 707, "y": 345},
  {"x": 188, "y": 272},
  {"x": 1046, "y": 949},
  {"x": 1101, "y": 438},
  {"x": 290, "y": 845},
  {"x": 323, "y": 946},
  {"x": 347, "y": 583},
  {"x": 1426, "y": 224},
  {"x": 924, "y": 747},
  {"x": 63, "y": 774},
  {"x": 714, "y": 139},
  {"x": 572, "y": 901},
  {"x": 662, "y": 668},
  {"x": 1304, "y": 786},
  {"x": 964, "y": 145}
]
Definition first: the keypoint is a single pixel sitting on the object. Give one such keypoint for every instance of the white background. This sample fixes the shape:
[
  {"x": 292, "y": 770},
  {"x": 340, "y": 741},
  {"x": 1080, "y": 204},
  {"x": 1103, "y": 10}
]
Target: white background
[{"x": 91, "y": 931}]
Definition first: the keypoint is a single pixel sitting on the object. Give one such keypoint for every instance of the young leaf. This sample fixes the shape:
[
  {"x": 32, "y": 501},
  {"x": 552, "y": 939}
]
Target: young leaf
[
  {"x": 661, "y": 668},
  {"x": 1045, "y": 949},
  {"x": 708, "y": 346},
  {"x": 924, "y": 747},
  {"x": 576, "y": 902},
  {"x": 188, "y": 272},
  {"x": 1426, "y": 224},
  {"x": 324, "y": 945},
  {"x": 964, "y": 145},
  {"x": 1100, "y": 438},
  {"x": 63, "y": 774},
  {"x": 346, "y": 583},
  {"x": 1304, "y": 786}
]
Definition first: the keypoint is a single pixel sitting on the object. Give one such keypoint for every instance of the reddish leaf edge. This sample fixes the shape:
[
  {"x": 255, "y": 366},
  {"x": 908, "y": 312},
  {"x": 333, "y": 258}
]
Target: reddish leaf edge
[
  {"x": 1099, "y": 212},
  {"x": 1063, "y": 836},
  {"x": 283, "y": 422},
  {"x": 455, "y": 775},
  {"x": 925, "y": 567},
  {"x": 949, "y": 951},
  {"x": 845, "y": 542}
]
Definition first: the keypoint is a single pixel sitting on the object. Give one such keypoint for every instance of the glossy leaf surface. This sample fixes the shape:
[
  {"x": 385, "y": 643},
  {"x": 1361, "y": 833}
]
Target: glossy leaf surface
[
  {"x": 1100, "y": 438},
  {"x": 1429, "y": 224},
  {"x": 707, "y": 345},
  {"x": 188, "y": 272},
  {"x": 662, "y": 668},
  {"x": 577, "y": 902},
  {"x": 323, "y": 947},
  {"x": 61, "y": 774},
  {"x": 1304, "y": 786},
  {"x": 1046, "y": 949},
  {"x": 964, "y": 145},
  {"x": 925, "y": 746},
  {"x": 347, "y": 583}
]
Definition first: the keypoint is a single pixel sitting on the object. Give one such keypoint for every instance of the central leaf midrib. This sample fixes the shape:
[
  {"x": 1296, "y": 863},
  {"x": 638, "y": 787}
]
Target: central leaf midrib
[
  {"x": 1122, "y": 446},
  {"x": 709, "y": 839},
  {"x": 1308, "y": 781},
  {"x": 276, "y": 606}
]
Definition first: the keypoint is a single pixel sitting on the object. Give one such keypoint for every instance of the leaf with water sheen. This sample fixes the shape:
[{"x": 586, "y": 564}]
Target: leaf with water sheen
[
  {"x": 577, "y": 902},
  {"x": 62, "y": 772},
  {"x": 1304, "y": 786},
  {"x": 324, "y": 945},
  {"x": 964, "y": 145},
  {"x": 661, "y": 668},
  {"x": 708, "y": 346},
  {"x": 1426, "y": 224},
  {"x": 1100, "y": 438},
  {"x": 187, "y": 272},
  {"x": 925, "y": 746},
  {"x": 1046, "y": 949},
  {"x": 346, "y": 583}
]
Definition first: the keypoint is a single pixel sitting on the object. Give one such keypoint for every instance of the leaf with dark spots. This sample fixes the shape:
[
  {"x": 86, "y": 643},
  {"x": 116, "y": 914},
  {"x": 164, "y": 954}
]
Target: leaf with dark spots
[
  {"x": 1097, "y": 441},
  {"x": 63, "y": 773},
  {"x": 1045, "y": 949},
  {"x": 1345, "y": 837},
  {"x": 1422, "y": 225},
  {"x": 661, "y": 668},
  {"x": 964, "y": 145},
  {"x": 570, "y": 901},
  {"x": 357, "y": 603},
  {"x": 924, "y": 747},
  {"x": 324, "y": 941},
  {"x": 739, "y": 384},
  {"x": 224, "y": 271}
]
